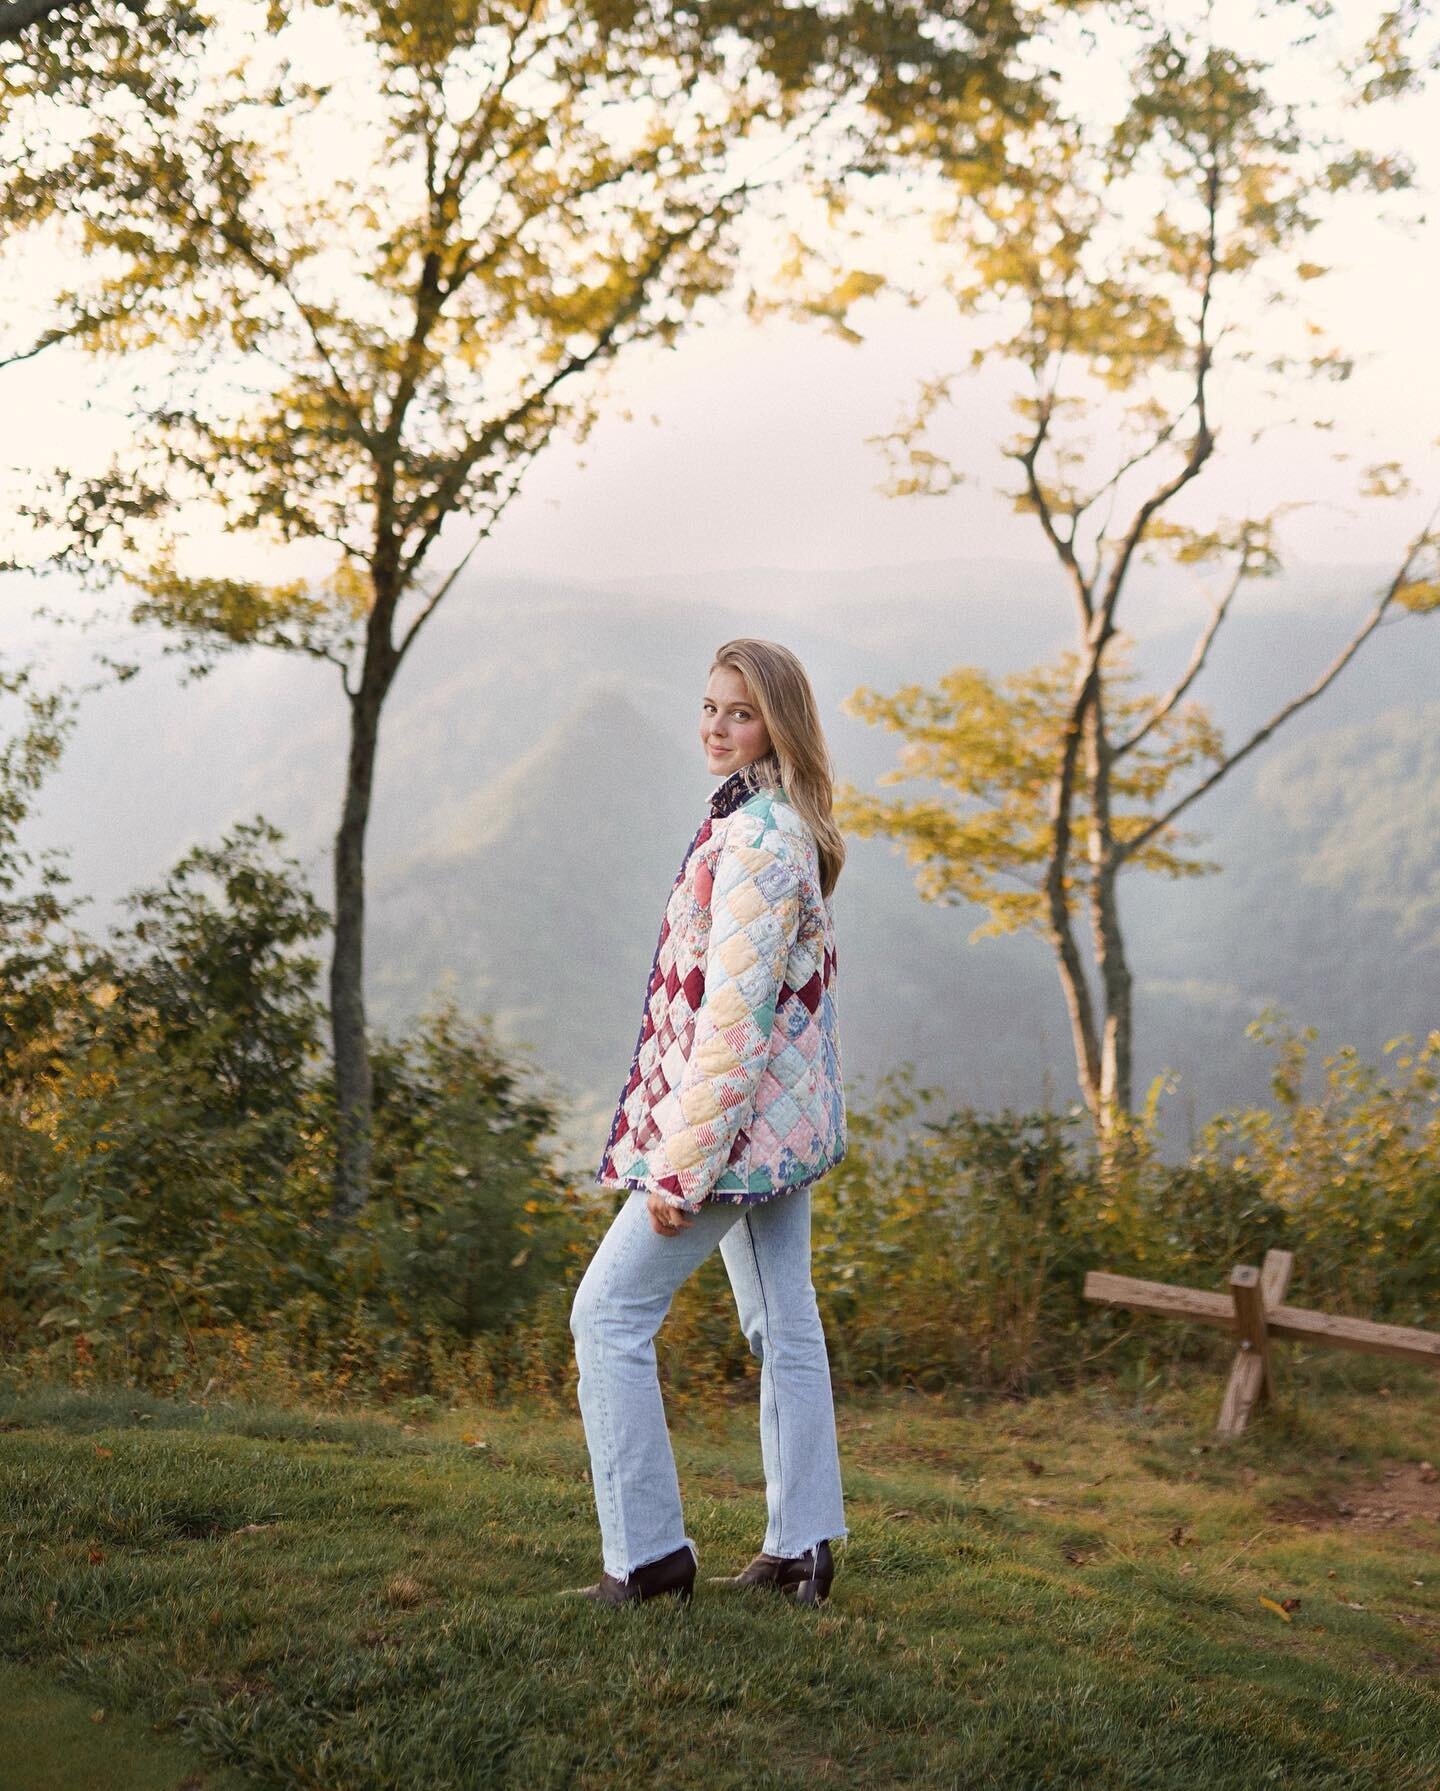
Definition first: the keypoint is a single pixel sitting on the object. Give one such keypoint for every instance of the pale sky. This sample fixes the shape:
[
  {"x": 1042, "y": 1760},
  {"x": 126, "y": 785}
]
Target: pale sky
[{"x": 748, "y": 441}]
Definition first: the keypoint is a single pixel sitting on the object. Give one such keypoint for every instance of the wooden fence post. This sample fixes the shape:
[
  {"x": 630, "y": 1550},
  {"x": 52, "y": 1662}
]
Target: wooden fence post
[{"x": 1254, "y": 1311}]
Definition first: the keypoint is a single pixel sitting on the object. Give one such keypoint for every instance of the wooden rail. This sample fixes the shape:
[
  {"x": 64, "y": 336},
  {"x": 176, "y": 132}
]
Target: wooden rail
[{"x": 1253, "y": 1310}]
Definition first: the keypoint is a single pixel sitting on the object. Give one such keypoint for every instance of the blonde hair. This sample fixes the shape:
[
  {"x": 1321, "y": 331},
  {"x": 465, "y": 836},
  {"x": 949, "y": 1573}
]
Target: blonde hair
[{"x": 799, "y": 756}]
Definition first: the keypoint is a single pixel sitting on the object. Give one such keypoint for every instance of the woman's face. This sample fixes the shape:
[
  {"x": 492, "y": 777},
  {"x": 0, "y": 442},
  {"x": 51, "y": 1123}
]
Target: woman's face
[{"x": 731, "y": 730}]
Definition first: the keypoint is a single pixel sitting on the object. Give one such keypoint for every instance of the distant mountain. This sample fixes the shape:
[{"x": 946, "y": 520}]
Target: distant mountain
[
  {"x": 540, "y": 776},
  {"x": 539, "y": 896}
]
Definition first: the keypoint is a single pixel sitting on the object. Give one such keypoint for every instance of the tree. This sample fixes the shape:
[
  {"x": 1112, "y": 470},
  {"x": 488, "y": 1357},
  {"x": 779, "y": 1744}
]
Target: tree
[
  {"x": 468, "y": 1219},
  {"x": 167, "y": 1156},
  {"x": 212, "y": 969},
  {"x": 107, "y": 60},
  {"x": 1129, "y": 262},
  {"x": 353, "y": 352},
  {"x": 33, "y": 954}
]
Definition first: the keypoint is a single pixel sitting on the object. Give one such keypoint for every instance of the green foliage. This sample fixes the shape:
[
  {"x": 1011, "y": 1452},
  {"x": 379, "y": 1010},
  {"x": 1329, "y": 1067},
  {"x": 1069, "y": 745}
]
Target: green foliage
[
  {"x": 1355, "y": 1171},
  {"x": 163, "y": 1146},
  {"x": 468, "y": 1224},
  {"x": 33, "y": 909},
  {"x": 165, "y": 1171},
  {"x": 165, "y": 1163},
  {"x": 991, "y": 744},
  {"x": 950, "y": 1247}
]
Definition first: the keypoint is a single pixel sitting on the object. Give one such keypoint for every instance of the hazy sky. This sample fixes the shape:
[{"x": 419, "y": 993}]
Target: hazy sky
[{"x": 748, "y": 445}]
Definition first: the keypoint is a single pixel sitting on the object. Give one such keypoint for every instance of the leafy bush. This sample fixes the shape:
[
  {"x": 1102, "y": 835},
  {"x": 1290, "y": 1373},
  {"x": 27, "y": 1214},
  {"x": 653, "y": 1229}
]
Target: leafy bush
[
  {"x": 167, "y": 1147},
  {"x": 164, "y": 1144}
]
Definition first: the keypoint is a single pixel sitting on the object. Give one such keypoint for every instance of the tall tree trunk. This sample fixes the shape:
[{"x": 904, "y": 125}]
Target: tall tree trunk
[
  {"x": 1061, "y": 932},
  {"x": 353, "y": 1088},
  {"x": 1114, "y": 970}
]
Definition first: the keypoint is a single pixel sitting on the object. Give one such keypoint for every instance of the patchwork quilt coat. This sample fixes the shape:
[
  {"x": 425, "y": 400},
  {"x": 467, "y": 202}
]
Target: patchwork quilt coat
[{"x": 735, "y": 1091}]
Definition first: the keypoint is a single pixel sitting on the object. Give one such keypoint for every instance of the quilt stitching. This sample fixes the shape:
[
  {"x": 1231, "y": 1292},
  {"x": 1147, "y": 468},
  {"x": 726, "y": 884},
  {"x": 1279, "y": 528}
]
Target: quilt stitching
[{"x": 735, "y": 1088}]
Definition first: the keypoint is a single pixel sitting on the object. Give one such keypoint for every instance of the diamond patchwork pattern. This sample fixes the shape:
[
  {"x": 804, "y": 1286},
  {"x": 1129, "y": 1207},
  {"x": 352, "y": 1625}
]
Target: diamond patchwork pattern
[{"x": 735, "y": 1092}]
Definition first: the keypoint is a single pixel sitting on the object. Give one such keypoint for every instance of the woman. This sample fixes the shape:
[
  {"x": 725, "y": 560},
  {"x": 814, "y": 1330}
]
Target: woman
[{"x": 733, "y": 1108}]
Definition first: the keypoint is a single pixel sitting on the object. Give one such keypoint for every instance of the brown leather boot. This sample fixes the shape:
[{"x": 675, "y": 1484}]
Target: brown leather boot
[
  {"x": 805, "y": 1578},
  {"x": 674, "y": 1572}
]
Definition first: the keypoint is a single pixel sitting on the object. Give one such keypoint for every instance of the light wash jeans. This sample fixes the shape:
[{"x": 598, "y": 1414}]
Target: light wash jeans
[{"x": 619, "y": 1305}]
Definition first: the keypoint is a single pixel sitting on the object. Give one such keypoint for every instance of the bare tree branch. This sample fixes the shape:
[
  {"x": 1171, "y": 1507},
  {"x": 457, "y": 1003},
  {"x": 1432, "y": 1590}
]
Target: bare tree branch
[
  {"x": 443, "y": 498},
  {"x": 1064, "y": 545},
  {"x": 1202, "y": 443},
  {"x": 1424, "y": 539},
  {"x": 1192, "y": 670},
  {"x": 447, "y": 584}
]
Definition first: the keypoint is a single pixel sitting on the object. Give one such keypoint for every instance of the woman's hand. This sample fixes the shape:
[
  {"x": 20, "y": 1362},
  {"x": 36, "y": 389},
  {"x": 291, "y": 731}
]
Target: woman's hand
[{"x": 665, "y": 1218}]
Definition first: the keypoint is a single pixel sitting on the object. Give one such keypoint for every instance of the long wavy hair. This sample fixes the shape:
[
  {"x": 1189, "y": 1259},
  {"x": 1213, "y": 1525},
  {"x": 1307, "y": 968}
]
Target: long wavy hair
[{"x": 799, "y": 758}]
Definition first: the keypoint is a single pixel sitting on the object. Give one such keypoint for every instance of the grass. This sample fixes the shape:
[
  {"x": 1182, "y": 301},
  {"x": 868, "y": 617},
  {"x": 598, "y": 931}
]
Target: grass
[{"x": 1060, "y": 1593}]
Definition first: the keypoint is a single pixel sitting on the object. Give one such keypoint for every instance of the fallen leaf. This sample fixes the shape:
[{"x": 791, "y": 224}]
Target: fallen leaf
[
  {"x": 104, "y": 1455},
  {"x": 1177, "y": 1536},
  {"x": 1279, "y": 1609},
  {"x": 97, "y": 1555},
  {"x": 1291, "y": 1604},
  {"x": 1354, "y": 1607},
  {"x": 1032, "y": 1467},
  {"x": 97, "y": 1716}
]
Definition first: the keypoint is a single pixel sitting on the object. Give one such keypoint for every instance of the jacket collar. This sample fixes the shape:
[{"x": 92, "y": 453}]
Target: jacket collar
[{"x": 738, "y": 788}]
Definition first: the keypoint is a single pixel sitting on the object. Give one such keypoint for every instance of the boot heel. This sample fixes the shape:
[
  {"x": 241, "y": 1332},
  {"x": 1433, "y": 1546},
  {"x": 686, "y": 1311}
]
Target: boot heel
[{"x": 813, "y": 1588}]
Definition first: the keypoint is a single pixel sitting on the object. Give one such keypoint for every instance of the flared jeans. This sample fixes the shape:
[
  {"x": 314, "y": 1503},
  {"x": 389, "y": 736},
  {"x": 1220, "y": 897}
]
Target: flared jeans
[{"x": 619, "y": 1306}]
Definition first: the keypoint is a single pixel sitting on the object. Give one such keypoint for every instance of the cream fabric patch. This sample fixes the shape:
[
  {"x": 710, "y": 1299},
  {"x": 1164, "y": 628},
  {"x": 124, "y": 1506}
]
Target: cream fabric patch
[
  {"x": 737, "y": 954},
  {"x": 682, "y": 1150},
  {"x": 753, "y": 858},
  {"x": 726, "y": 1006},
  {"x": 746, "y": 903},
  {"x": 715, "y": 1057},
  {"x": 699, "y": 1104}
]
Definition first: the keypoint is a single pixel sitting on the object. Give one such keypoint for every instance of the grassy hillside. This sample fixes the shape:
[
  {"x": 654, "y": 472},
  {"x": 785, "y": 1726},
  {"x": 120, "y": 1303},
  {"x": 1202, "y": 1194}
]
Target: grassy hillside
[{"x": 1068, "y": 1592}]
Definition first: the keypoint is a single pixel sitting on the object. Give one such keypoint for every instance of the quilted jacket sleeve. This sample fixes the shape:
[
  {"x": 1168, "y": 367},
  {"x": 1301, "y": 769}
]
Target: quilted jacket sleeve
[{"x": 754, "y": 920}]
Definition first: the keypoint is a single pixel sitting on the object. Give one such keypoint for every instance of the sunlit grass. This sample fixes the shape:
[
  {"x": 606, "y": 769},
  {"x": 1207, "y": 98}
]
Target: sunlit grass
[{"x": 1064, "y": 1592}]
